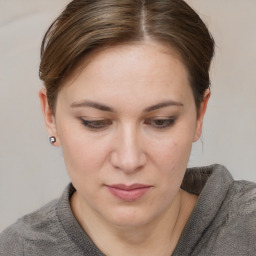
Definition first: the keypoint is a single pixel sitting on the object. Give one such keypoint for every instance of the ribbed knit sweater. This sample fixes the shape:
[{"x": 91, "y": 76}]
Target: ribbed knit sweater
[{"x": 222, "y": 223}]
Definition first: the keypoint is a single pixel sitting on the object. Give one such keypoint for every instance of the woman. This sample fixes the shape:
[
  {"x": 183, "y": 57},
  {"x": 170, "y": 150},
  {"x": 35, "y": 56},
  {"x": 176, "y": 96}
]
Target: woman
[{"x": 126, "y": 90}]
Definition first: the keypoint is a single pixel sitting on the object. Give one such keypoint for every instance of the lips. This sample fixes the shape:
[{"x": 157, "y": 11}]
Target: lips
[{"x": 128, "y": 193}]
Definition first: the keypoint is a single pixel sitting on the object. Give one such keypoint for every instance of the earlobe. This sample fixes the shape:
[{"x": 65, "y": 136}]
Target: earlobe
[
  {"x": 201, "y": 115},
  {"x": 48, "y": 116}
]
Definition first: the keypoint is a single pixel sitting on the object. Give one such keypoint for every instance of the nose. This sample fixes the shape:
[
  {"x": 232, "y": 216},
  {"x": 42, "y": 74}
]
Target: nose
[{"x": 128, "y": 154}]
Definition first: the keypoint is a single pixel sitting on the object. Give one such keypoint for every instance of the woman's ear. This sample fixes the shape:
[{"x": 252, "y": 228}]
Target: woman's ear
[
  {"x": 200, "y": 115},
  {"x": 48, "y": 116}
]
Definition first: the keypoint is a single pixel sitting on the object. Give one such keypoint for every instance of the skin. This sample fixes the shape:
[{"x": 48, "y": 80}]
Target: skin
[{"x": 127, "y": 89}]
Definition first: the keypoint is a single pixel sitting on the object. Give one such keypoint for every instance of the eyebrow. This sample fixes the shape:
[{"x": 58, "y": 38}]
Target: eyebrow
[
  {"x": 102, "y": 107},
  {"x": 92, "y": 104},
  {"x": 163, "y": 105}
]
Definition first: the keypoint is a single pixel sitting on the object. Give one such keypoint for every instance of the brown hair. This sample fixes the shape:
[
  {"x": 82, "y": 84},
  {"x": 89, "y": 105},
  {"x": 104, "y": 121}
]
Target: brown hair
[{"x": 86, "y": 25}]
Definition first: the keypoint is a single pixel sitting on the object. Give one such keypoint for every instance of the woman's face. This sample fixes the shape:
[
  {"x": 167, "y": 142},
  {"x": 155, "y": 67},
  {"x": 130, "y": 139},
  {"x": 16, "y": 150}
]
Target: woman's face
[{"x": 126, "y": 124}]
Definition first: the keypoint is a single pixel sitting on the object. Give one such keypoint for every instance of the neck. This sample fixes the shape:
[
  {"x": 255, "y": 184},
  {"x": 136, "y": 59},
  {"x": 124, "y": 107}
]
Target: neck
[{"x": 159, "y": 237}]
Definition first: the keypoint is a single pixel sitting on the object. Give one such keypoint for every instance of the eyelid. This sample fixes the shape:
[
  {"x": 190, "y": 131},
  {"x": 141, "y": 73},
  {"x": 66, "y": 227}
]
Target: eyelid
[
  {"x": 167, "y": 122},
  {"x": 96, "y": 124}
]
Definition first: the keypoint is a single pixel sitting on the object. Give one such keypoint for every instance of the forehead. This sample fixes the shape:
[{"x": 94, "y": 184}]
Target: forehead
[{"x": 131, "y": 70}]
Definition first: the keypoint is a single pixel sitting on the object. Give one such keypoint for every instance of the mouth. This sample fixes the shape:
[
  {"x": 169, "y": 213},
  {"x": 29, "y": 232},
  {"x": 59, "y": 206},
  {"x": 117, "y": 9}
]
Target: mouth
[{"x": 128, "y": 193}]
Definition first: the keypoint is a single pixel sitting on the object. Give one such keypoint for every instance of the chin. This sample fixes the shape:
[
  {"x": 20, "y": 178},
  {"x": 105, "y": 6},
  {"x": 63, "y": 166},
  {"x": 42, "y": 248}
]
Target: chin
[{"x": 129, "y": 217}]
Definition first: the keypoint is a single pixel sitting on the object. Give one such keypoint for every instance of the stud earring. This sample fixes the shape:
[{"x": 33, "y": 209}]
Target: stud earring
[{"x": 52, "y": 139}]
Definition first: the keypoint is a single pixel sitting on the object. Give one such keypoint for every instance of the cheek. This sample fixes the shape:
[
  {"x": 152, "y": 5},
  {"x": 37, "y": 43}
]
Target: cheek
[
  {"x": 82, "y": 165},
  {"x": 81, "y": 154},
  {"x": 173, "y": 163},
  {"x": 171, "y": 155},
  {"x": 173, "y": 149}
]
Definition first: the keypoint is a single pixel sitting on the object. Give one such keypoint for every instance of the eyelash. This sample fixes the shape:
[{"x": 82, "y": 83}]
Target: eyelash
[
  {"x": 97, "y": 125},
  {"x": 161, "y": 123}
]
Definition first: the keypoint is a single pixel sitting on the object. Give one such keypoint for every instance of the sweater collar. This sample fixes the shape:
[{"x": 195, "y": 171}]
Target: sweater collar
[
  {"x": 211, "y": 183},
  {"x": 71, "y": 226}
]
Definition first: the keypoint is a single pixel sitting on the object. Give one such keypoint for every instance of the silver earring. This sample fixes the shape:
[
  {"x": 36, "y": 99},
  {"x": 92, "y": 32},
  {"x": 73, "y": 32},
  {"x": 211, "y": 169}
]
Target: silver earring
[{"x": 52, "y": 139}]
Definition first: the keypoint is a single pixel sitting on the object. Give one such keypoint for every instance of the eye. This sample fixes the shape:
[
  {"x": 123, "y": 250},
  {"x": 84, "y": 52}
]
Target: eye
[
  {"x": 96, "y": 124},
  {"x": 160, "y": 123}
]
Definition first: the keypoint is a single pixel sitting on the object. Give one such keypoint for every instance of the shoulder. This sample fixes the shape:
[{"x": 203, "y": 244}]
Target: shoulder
[
  {"x": 11, "y": 243},
  {"x": 237, "y": 214},
  {"x": 38, "y": 225},
  {"x": 224, "y": 219},
  {"x": 241, "y": 199},
  {"x": 235, "y": 224}
]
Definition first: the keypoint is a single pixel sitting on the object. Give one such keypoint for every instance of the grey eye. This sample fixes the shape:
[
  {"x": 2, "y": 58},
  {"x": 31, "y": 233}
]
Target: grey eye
[
  {"x": 96, "y": 124},
  {"x": 160, "y": 123}
]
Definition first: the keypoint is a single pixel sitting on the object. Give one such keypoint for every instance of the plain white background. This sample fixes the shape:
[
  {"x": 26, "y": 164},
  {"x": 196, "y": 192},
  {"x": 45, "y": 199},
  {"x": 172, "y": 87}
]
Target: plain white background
[{"x": 32, "y": 172}]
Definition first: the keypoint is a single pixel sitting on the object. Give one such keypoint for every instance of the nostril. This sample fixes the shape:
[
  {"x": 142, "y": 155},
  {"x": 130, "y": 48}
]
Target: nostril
[{"x": 127, "y": 162}]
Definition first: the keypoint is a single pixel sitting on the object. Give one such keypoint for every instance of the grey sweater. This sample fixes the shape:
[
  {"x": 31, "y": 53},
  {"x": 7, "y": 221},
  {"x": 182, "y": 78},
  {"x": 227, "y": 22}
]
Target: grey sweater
[{"x": 223, "y": 222}]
